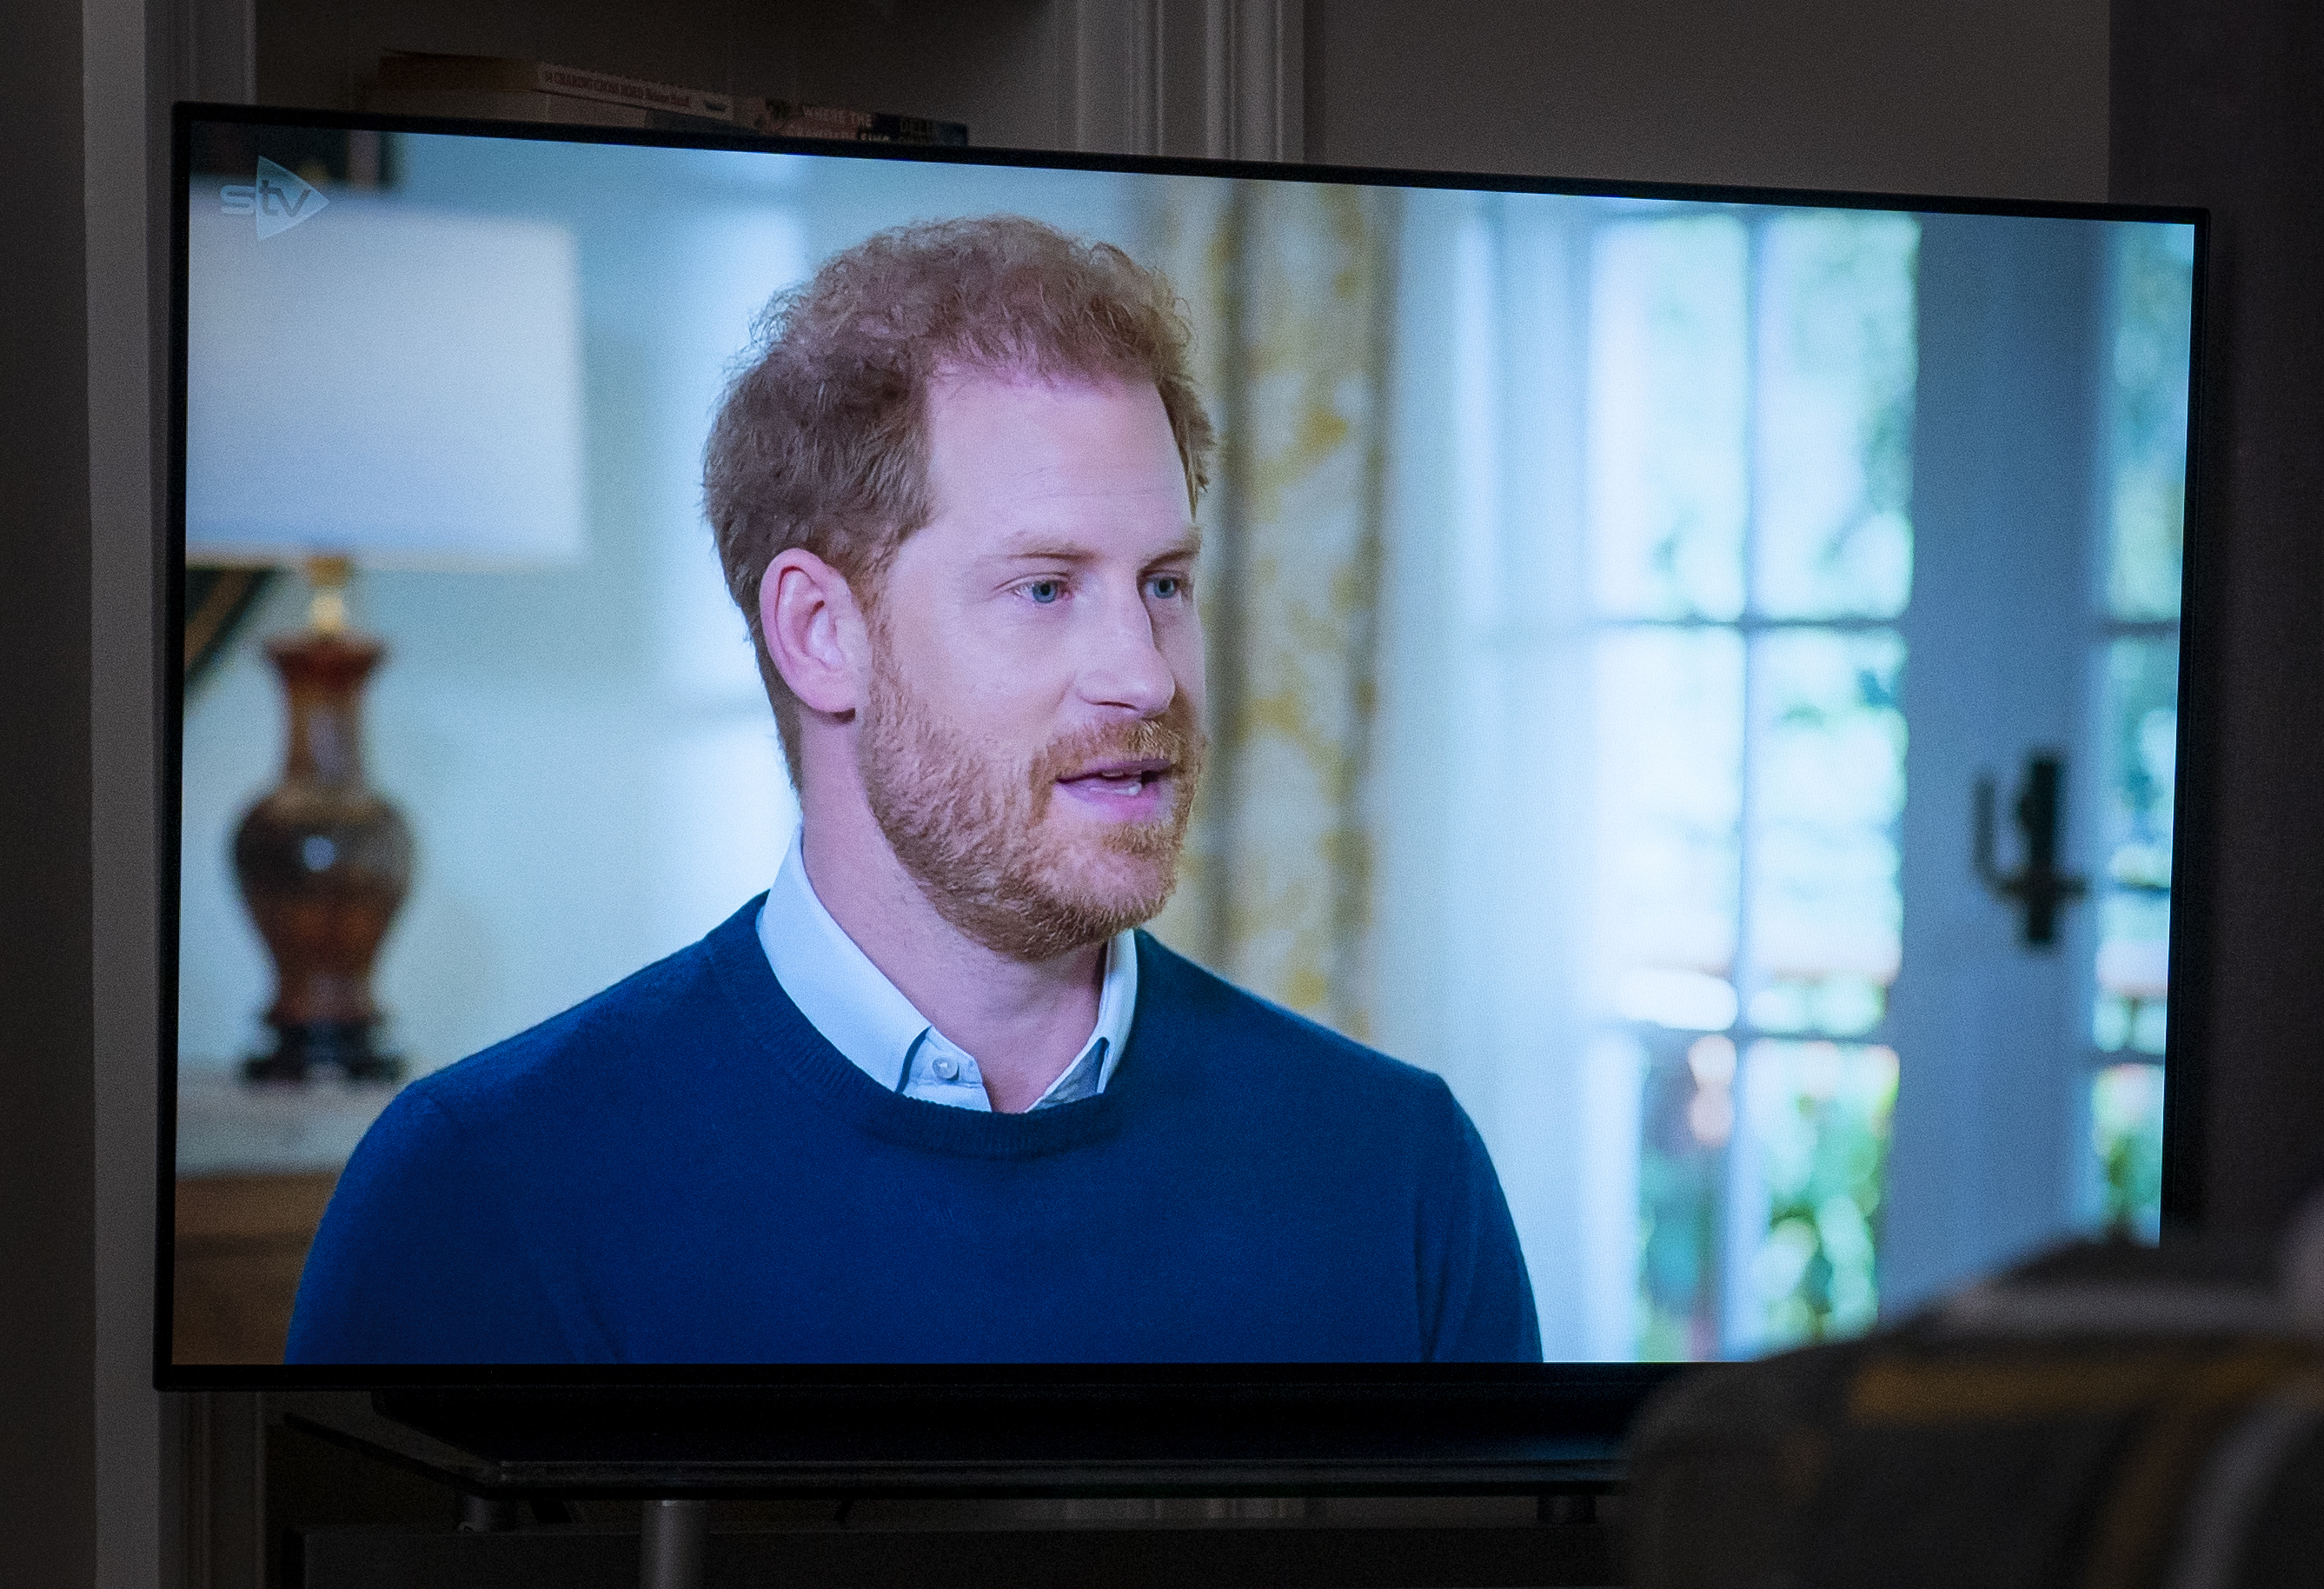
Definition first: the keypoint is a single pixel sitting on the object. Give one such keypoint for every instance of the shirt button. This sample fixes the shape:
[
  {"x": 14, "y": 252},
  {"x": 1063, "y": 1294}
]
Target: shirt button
[{"x": 947, "y": 1069}]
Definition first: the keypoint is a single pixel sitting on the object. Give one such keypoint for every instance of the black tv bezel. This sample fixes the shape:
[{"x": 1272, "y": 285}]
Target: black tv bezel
[{"x": 1586, "y": 1400}]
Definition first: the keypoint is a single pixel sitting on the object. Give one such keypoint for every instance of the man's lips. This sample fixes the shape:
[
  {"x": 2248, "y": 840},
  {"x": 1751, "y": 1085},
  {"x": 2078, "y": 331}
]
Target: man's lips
[
  {"x": 1121, "y": 771},
  {"x": 1120, "y": 781}
]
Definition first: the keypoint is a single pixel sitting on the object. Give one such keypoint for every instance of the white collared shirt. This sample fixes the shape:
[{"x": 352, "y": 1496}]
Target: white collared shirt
[{"x": 868, "y": 1018}]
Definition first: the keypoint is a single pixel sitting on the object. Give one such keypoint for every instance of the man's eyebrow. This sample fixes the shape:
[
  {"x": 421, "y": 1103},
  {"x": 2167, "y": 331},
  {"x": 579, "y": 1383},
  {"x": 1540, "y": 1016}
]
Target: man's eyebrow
[
  {"x": 1032, "y": 549},
  {"x": 1037, "y": 548},
  {"x": 1187, "y": 545}
]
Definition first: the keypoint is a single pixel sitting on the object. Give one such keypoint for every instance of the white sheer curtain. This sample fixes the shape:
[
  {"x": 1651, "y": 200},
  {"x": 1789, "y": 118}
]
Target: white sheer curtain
[
  {"x": 1484, "y": 806},
  {"x": 1396, "y": 836}
]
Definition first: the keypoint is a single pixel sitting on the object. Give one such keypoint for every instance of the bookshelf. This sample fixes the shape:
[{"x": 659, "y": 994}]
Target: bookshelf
[{"x": 1175, "y": 77}]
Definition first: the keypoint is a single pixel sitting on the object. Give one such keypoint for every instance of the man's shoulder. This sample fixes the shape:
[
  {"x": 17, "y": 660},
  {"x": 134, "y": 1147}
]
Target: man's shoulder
[
  {"x": 659, "y": 1014},
  {"x": 1267, "y": 1044}
]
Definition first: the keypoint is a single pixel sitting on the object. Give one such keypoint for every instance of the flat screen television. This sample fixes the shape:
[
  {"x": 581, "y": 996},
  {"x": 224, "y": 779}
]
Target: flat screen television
[{"x": 1680, "y": 866}]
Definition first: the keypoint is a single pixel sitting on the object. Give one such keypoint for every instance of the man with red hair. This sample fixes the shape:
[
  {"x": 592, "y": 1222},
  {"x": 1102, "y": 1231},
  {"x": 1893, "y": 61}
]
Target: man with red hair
[{"x": 935, "y": 1097}]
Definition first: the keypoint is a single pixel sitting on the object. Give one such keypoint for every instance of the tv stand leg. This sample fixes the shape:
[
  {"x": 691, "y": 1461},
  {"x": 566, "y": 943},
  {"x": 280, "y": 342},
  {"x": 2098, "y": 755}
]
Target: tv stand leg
[
  {"x": 671, "y": 1543},
  {"x": 483, "y": 1514}
]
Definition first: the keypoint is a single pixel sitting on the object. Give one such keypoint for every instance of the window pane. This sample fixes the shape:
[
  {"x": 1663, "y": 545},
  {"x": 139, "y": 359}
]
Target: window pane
[
  {"x": 2139, "y": 718},
  {"x": 1827, "y": 786},
  {"x": 1688, "y": 1117},
  {"x": 1669, "y": 709},
  {"x": 1816, "y": 1119},
  {"x": 1668, "y": 404},
  {"x": 1836, "y": 365},
  {"x": 2154, "y": 267},
  {"x": 2126, "y": 1132},
  {"x": 1669, "y": 713}
]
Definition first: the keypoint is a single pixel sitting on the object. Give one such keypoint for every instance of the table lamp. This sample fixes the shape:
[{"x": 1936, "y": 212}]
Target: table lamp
[{"x": 373, "y": 385}]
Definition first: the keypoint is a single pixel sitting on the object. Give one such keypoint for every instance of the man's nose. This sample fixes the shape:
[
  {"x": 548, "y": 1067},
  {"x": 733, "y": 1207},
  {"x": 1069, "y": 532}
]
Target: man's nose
[{"x": 1124, "y": 666}]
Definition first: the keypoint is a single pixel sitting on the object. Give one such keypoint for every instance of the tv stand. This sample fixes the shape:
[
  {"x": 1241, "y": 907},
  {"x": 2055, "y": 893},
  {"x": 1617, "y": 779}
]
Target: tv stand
[
  {"x": 669, "y": 1492},
  {"x": 1080, "y": 1438}
]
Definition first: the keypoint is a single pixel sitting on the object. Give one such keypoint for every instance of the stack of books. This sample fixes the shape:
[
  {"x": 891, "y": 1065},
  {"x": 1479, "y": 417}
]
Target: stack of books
[{"x": 494, "y": 87}]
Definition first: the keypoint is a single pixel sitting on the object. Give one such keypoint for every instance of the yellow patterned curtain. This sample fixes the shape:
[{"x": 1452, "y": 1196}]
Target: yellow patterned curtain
[{"x": 1288, "y": 287}]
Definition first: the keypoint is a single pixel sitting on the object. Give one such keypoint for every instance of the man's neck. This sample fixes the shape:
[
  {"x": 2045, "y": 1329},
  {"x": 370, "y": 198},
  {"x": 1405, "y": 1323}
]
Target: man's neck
[{"x": 1023, "y": 1022}]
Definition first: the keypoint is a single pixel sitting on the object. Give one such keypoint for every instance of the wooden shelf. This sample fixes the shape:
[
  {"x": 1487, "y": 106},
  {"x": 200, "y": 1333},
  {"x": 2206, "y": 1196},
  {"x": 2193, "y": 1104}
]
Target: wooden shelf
[{"x": 242, "y": 1240}]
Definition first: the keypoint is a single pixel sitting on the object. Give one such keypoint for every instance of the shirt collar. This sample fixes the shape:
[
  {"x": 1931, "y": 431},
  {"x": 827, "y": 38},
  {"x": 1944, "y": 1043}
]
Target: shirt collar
[{"x": 868, "y": 1018}]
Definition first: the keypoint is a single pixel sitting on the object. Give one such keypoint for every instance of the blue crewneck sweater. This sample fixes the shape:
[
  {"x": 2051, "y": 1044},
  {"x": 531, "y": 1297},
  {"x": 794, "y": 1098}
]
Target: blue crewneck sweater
[{"x": 683, "y": 1170}]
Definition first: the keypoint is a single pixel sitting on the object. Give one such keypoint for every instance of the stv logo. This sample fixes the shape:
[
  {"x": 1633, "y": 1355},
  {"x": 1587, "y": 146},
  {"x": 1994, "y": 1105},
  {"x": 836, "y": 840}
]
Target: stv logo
[{"x": 280, "y": 200}]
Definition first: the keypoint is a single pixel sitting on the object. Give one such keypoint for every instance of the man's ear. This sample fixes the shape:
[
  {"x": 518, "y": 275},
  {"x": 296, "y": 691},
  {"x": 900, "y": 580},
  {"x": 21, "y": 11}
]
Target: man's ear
[{"x": 814, "y": 632}]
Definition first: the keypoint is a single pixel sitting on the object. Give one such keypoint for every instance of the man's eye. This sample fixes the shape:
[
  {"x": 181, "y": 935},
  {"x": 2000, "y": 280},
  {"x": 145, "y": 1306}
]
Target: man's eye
[
  {"x": 1166, "y": 587},
  {"x": 1044, "y": 591}
]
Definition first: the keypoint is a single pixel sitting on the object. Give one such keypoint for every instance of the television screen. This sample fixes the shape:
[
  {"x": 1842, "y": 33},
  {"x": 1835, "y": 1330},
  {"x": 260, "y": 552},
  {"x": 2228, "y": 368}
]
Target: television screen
[{"x": 807, "y": 756}]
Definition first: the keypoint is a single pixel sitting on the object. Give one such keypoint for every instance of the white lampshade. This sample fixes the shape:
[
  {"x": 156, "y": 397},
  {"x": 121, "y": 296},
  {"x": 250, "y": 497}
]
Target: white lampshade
[{"x": 394, "y": 385}]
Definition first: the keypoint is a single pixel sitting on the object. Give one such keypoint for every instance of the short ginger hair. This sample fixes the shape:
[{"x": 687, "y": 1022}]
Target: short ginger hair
[{"x": 822, "y": 440}]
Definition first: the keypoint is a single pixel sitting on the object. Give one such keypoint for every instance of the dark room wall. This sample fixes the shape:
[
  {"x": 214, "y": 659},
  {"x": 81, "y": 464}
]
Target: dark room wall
[
  {"x": 1971, "y": 97},
  {"x": 47, "y": 1250},
  {"x": 82, "y": 1496},
  {"x": 2218, "y": 105}
]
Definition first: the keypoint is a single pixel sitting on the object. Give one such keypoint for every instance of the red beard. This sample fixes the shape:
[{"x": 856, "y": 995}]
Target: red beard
[{"x": 970, "y": 831}]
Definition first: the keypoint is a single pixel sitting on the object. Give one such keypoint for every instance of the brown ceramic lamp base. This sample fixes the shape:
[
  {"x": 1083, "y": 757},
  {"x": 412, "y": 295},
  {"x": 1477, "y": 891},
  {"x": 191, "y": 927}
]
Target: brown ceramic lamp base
[
  {"x": 324, "y": 862},
  {"x": 301, "y": 1051}
]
